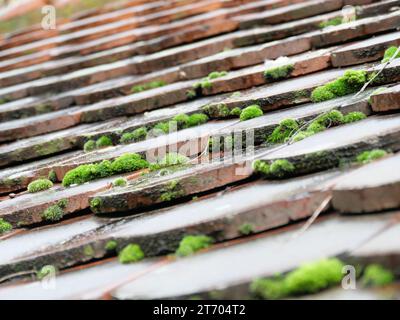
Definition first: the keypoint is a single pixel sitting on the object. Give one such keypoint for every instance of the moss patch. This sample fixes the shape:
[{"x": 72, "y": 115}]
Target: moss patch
[
  {"x": 376, "y": 275},
  {"x": 120, "y": 182},
  {"x": 371, "y": 155},
  {"x": 89, "y": 145},
  {"x": 389, "y": 53},
  {"x": 172, "y": 191},
  {"x": 246, "y": 229},
  {"x": 278, "y": 73},
  {"x": 280, "y": 168},
  {"x": 170, "y": 159},
  {"x": 131, "y": 253},
  {"x": 251, "y": 112},
  {"x": 350, "y": 82},
  {"x": 52, "y": 176},
  {"x": 148, "y": 86},
  {"x": 53, "y": 213},
  {"x": 103, "y": 142},
  {"x": 4, "y": 226},
  {"x": 111, "y": 245},
  {"x": 308, "y": 278},
  {"x": 331, "y": 22},
  {"x": 354, "y": 117},
  {"x": 191, "y": 244},
  {"x": 205, "y": 82},
  {"x": 138, "y": 134},
  {"x": 46, "y": 271},
  {"x": 283, "y": 131},
  {"x": 39, "y": 185}
]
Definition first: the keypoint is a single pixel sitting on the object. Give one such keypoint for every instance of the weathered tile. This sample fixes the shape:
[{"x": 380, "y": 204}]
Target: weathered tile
[
  {"x": 371, "y": 188},
  {"x": 387, "y": 100}
]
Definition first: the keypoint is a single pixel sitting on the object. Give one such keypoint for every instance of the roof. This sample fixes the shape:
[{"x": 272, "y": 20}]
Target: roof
[{"x": 264, "y": 133}]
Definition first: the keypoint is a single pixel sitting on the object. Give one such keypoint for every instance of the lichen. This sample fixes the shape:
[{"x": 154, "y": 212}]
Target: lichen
[
  {"x": 103, "y": 142},
  {"x": 371, "y": 155},
  {"x": 191, "y": 244},
  {"x": 285, "y": 129},
  {"x": 131, "y": 253},
  {"x": 251, "y": 112},
  {"x": 307, "y": 279},
  {"x": 120, "y": 182},
  {"x": 278, "y": 73},
  {"x": 89, "y": 145},
  {"x": 389, "y": 53},
  {"x": 4, "y": 226},
  {"x": 376, "y": 275},
  {"x": 350, "y": 82},
  {"x": 53, "y": 213},
  {"x": 39, "y": 185},
  {"x": 246, "y": 229}
]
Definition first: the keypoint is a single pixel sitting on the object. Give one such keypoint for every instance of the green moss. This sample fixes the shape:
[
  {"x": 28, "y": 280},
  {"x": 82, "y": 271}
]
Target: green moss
[
  {"x": 278, "y": 73},
  {"x": 111, "y": 245},
  {"x": 52, "y": 176},
  {"x": 62, "y": 203},
  {"x": 206, "y": 82},
  {"x": 331, "y": 118},
  {"x": 88, "y": 251},
  {"x": 369, "y": 156},
  {"x": 191, "y": 244},
  {"x": 280, "y": 168},
  {"x": 147, "y": 86},
  {"x": 251, "y": 112},
  {"x": 3, "y": 100},
  {"x": 163, "y": 126},
  {"x": 350, "y": 82},
  {"x": 376, "y": 275},
  {"x": 89, "y": 145},
  {"x": 95, "y": 203},
  {"x": 216, "y": 74},
  {"x": 302, "y": 135},
  {"x": 246, "y": 229},
  {"x": 131, "y": 253},
  {"x": 4, "y": 226},
  {"x": 136, "y": 135},
  {"x": 235, "y": 112},
  {"x": 128, "y": 162},
  {"x": 389, "y": 53},
  {"x": 171, "y": 191},
  {"x": 219, "y": 110},
  {"x": 39, "y": 185},
  {"x": 170, "y": 159},
  {"x": 53, "y": 213},
  {"x": 181, "y": 120},
  {"x": 120, "y": 182},
  {"x": 87, "y": 172},
  {"x": 103, "y": 142},
  {"x": 331, "y": 22},
  {"x": 197, "y": 119},
  {"x": 261, "y": 166},
  {"x": 285, "y": 129},
  {"x": 315, "y": 127},
  {"x": 307, "y": 279},
  {"x": 354, "y": 117},
  {"x": 46, "y": 271},
  {"x": 191, "y": 94}
]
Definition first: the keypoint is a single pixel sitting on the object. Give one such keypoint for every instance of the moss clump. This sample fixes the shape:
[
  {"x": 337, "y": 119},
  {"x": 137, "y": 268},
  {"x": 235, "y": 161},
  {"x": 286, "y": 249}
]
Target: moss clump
[
  {"x": 284, "y": 130},
  {"x": 88, "y": 251},
  {"x": 196, "y": 119},
  {"x": 246, "y": 229},
  {"x": 103, "y": 142},
  {"x": 278, "y": 73},
  {"x": 369, "y": 156},
  {"x": 120, "y": 182},
  {"x": 315, "y": 127},
  {"x": 219, "y": 110},
  {"x": 148, "y": 86},
  {"x": 281, "y": 168},
  {"x": 87, "y": 172},
  {"x": 251, "y": 112},
  {"x": 165, "y": 127},
  {"x": 53, "y": 213},
  {"x": 131, "y": 253},
  {"x": 308, "y": 278},
  {"x": 330, "y": 119},
  {"x": 354, "y": 117},
  {"x": 205, "y": 82},
  {"x": 376, "y": 275},
  {"x": 192, "y": 244},
  {"x": 172, "y": 191},
  {"x": 191, "y": 94},
  {"x": 136, "y": 135},
  {"x": 235, "y": 112},
  {"x": 261, "y": 166},
  {"x": 331, "y": 22},
  {"x": 302, "y": 135},
  {"x": 89, "y": 145},
  {"x": 95, "y": 203},
  {"x": 181, "y": 120},
  {"x": 39, "y": 185},
  {"x": 350, "y": 82},
  {"x": 128, "y": 162},
  {"x": 111, "y": 245},
  {"x": 4, "y": 226},
  {"x": 170, "y": 159},
  {"x": 46, "y": 271},
  {"x": 52, "y": 176},
  {"x": 62, "y": 203},
  {"x": 389, "y": 53}
]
